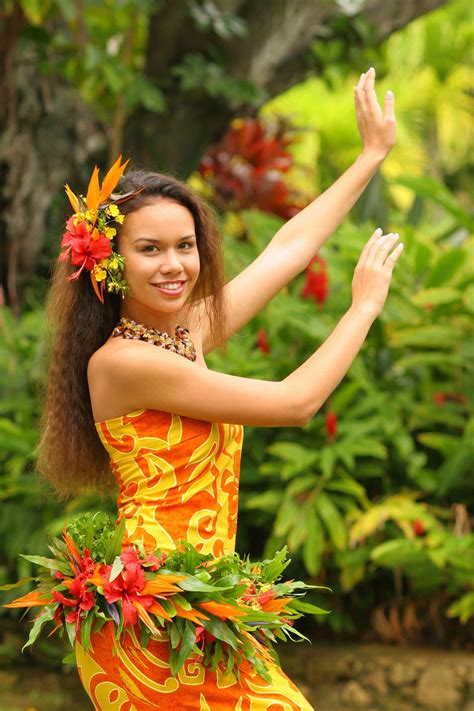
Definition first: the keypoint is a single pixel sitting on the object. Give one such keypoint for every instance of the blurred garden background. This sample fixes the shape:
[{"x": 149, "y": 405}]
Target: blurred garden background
[{"x": 252, "y": 103}]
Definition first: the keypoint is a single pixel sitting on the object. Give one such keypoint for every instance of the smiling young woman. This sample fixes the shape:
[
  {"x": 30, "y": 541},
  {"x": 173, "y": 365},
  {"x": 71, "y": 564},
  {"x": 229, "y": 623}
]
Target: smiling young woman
[{"x": 166, "y": 428}]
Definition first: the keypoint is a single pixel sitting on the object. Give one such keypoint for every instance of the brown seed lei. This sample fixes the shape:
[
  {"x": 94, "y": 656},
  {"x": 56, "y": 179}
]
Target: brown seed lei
[{"x": 181, "y": 343}]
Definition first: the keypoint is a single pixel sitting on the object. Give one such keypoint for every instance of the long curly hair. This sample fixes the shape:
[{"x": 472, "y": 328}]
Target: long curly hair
[{"x": 70, "y": 455}]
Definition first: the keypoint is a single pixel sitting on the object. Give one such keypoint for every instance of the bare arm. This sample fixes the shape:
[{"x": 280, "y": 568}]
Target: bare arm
[
  {"x": 305, "y": 233},
  {"x": 157, "y": 379}
]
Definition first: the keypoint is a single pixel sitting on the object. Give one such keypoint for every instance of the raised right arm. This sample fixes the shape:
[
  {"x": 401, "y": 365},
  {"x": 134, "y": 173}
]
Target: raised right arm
[{"x": 154, "y": 378}]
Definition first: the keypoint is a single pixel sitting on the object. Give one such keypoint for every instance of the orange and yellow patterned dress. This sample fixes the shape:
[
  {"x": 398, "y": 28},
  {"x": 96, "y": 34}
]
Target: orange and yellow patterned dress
[{"x": 178, "y": 478}]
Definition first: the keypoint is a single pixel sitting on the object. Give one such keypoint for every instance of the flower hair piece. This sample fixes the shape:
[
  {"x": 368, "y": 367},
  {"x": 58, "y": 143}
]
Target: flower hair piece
[{"x": 89, "y": 236}]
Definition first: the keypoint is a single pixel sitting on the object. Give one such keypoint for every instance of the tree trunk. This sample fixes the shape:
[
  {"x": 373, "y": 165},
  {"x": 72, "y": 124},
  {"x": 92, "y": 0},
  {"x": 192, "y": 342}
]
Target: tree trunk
[{"x": 274, "y": 55}]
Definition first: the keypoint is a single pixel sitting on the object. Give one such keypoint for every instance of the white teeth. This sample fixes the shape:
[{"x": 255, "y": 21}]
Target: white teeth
[{"x": 171, "y": 286}]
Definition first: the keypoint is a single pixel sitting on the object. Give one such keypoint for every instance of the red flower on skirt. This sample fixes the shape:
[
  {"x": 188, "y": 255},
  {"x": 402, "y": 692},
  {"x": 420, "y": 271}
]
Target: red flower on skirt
[
  {"x": 127, "y": 588},
  {"x": 82, "y": 599},
  {"x": 129, "y": 556}
]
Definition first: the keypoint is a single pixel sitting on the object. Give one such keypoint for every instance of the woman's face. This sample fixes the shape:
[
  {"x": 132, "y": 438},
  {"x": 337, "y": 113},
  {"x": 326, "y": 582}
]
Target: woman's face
[{"x": 162, "y": 266}]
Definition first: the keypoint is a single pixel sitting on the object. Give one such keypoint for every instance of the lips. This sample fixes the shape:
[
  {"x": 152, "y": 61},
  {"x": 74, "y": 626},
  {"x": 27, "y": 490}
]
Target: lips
[{"x": 171, "y": 292}]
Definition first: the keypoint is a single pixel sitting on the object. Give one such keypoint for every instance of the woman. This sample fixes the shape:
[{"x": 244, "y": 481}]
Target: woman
[{"x": 171, "y": 428}]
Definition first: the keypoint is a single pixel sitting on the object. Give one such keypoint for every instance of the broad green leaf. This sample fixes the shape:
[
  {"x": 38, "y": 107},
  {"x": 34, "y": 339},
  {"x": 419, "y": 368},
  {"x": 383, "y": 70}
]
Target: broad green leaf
[
  {"x": 115, "y": 544},
  {"x": 446, "y": 266},
  {"x": 50, "y": 563},
  {"x": 332, "y": 519},
  {"x": 10, "y": 586},
  {"x": 117, "y": 568},
  {"x": 313, "y": 547},
  {"x": 398, "y": 552},
  {"x": 193, "y": 584},
  {"x": 426, "y": 337},
  {"x": 436, "y": 296},
  {"x": 286, "y": 517},
  {"x": 462, "y": 608},
  {"x": 86, "y": 626},
  {"x": 43, "y": 617}
]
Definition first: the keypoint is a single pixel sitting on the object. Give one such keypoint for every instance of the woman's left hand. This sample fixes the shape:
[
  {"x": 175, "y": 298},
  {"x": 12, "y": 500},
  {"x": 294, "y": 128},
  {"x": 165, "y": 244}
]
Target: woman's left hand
[{"x": 377, "y": 129}]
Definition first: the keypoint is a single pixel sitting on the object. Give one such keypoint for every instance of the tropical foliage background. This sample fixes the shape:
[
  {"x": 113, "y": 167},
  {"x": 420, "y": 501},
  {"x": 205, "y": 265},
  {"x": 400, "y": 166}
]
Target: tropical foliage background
[{"x": 374, "y": 496}]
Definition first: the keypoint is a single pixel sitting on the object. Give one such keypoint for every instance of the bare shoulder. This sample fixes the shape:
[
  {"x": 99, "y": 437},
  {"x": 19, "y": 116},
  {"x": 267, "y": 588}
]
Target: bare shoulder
[{"x": 108, "y": 368}]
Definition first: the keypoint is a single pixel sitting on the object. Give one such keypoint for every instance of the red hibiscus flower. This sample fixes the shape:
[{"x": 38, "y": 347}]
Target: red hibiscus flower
[
  {"x": 127, "y": 587},
  {"x": 82, "y": 599},
  {"x": 86, "y": 249}
]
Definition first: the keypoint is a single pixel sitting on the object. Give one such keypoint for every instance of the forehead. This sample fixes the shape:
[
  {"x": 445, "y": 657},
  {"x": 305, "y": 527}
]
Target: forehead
[{"x": 160, "y": 218}]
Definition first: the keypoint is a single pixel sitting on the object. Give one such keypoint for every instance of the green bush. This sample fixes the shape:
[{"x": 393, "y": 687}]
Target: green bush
[{"x": 389, "y": 489}]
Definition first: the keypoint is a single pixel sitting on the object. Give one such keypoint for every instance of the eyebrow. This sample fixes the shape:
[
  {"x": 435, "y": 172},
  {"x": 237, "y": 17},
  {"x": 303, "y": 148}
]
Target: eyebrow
[{"x": 159, "y": 241}]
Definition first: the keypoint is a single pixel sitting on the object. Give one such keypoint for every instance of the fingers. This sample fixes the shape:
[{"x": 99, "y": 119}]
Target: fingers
[
  {"x": 371, "y": 98},
  {"x": 381, "y": 250},
  {"x": 393, "y": 257},
  {"x": 369, "y": 244},
  {"x": 389, "y": 106},
  {"x": 360, "y": 97}
]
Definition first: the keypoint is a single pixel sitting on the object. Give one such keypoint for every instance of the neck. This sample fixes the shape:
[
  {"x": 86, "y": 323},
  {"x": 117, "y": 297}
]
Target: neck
[{"x": 158, "y": 320}]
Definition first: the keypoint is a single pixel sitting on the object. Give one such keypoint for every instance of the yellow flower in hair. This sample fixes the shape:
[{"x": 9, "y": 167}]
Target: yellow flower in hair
[
  {"x": 110, "y": 232},
  {"x": 120, "y": 218},
  {"x": 113, "y": 210},
  {"x": 99, "y": 273},
  {"x": 113, "y": 263}
]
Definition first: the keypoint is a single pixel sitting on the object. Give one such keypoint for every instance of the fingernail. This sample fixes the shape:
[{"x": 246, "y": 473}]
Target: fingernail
[
  {"x": 379, "y": 231},
  {"x": 389, "y": 92}
]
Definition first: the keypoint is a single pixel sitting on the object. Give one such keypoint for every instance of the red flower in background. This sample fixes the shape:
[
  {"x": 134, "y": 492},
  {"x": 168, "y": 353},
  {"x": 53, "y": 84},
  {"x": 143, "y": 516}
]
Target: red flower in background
[
  {"x": 418, "y": 527},
  {"x": 440, "y": 398},
  {"x": 247, "y": 167},
  {"x": 331, "y": 426},
  {"x": 317, "y": 282},
  {"x": 262, "y": 342}
]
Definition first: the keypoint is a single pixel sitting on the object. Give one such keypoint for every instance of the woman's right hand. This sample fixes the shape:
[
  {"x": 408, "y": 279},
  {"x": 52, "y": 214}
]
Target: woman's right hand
[{"x": 373, "y": 272}]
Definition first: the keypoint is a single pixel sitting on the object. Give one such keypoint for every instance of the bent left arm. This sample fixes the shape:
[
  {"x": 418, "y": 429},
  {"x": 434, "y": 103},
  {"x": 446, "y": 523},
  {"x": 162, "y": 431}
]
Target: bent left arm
[{"x": 305, "y": 233}]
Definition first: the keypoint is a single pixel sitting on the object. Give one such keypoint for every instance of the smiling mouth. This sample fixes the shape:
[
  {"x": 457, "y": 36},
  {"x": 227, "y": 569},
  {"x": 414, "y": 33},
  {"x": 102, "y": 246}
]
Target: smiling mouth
[{"x": 171, "y": 286}]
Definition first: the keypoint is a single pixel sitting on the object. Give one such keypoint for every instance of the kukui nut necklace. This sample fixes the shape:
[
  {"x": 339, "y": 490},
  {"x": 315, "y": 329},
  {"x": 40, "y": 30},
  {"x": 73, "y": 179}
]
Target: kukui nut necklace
[{"x": 180, "y": 343}]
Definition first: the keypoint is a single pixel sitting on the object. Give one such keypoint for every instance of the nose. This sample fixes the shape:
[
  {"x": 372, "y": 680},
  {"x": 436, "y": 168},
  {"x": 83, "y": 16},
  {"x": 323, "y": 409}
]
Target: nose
[{"x": 170, "y": 263}]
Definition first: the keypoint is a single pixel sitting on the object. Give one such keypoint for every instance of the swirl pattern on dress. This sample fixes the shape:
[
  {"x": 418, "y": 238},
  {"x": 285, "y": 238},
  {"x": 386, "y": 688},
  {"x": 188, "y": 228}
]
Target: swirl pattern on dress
[{"x": 178, "y": 478}]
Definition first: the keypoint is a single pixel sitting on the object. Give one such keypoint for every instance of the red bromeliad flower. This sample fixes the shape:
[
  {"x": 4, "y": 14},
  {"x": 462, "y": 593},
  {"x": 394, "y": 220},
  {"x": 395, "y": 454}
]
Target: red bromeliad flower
[
  {"x": 262, "y": 341},
  {"x": 317, "y": 283},
  {"x": 331, "y": 425},
  {"x": 86, "y": 249},
  {"x": 246, "y": 169}
]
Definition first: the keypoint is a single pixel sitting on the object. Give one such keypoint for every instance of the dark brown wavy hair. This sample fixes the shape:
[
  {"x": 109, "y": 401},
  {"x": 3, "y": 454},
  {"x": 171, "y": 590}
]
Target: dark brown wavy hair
[{"x": 70, "y": 453}]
